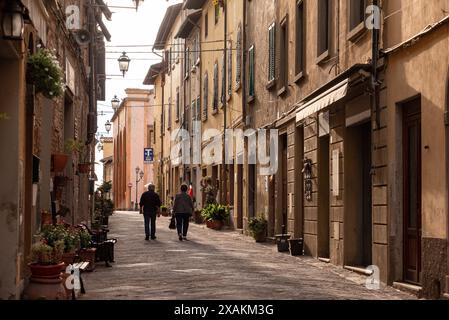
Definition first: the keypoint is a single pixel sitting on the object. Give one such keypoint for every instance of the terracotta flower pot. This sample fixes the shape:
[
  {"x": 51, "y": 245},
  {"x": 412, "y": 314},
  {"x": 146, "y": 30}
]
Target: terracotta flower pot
[
  {"x": 84, "y": 168},
  {"x": 49, "y": 272},
  {"x": 58, "y": 162},
  {"x": 68, "y": 258},
  {"x": 215, "y": 224},
  {"x": 260, "y": 237}
]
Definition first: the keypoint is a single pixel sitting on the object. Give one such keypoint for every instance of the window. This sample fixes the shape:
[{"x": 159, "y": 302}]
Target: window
[
  {"x": 196, "y": 50},
  {"x": 300, "y": 36},
  {"x": 162, "y": 122},
  {"x": 238, "y": 67},
  {"x": 198, "y": 108},
  {"x": 154, "y": 131},
  {"x": 272, "y": 52},
  {"x": 193, "y": 114},
  {"x": 251, "y": 78},
  {"x": 223, "y": 79},
  {"x": 187, "y": 62},
  {"x": 357, "y": 13},
  {"x": 169, "y": 114},
  {"x": 177, "y": 105},
  {"x": 229, "y": 83},
  {"x": 217, "y": 13},
  {"x": 150, "y": 135},
  {"x": 215, "y": 101},
  {"x": 206, "y": 25},
  {"x": 205, "y": 95},
  {"x": 283, "y": 59},
  {"x": 323, "y": 27}
]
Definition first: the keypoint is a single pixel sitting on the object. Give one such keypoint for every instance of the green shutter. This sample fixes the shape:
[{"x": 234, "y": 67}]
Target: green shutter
[{"x": 251, "y": 72}]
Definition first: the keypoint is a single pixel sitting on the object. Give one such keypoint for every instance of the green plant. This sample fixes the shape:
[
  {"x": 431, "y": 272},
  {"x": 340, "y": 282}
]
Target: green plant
[
  {"x": 257, "y": 225},
  {"x": 85, "y": 239},
  {"x": 44, "y": 71},
  {"x": 44, "y": 254},
  {"x": 4, "y": 116},
  {"x": 164, "y": 208},
  {"x": 215, "y": 212},
  {"x": 52, "y": 234},
  {"x": 77, "y": 147}
]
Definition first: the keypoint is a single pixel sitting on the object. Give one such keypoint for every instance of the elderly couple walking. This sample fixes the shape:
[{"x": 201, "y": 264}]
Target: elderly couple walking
[{"x": 150, "y": 204}]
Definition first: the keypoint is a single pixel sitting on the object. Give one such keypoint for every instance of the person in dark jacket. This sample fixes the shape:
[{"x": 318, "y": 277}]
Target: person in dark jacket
[
  {"x": 150, "y": 203},
  {"x": 183, "y": 210}
]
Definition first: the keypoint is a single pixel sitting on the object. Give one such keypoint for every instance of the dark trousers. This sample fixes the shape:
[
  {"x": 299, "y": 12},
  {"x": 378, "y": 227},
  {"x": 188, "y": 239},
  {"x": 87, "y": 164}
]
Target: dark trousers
[
  {"x": 182, "y": 223},
  {"x": 150, "y": 218}
]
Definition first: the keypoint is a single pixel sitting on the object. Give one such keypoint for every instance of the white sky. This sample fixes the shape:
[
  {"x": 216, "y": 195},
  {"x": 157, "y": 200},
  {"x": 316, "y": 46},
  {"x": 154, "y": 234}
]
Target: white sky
[{"x": 129, "y": 27}]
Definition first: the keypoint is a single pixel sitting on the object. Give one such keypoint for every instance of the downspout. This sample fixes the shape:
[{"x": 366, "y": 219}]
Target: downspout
[
  {"x": 446, "y": 142},
  {"x": 375, "y": 74},
  {"x": 244, "y": 56},
  {"x": 225, "y": 100}
]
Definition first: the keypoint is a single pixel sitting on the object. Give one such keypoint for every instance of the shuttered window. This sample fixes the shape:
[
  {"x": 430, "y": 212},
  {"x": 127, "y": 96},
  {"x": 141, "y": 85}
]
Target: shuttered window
[
  {"x": 300, "y": 36},
  {"x": 187, "y": 62},
  {"x": 238, "y": 67},
  {"x": 229, "y": 83},
  {"x": 205, "y": 96},
  {"x": 215, "y": 101},
  {"x": 272, "y": 52},
  {"x": 251, "y": 76},
  {"x": 169, "y": 114},
  {"x": 223, "y": 79},
  {"x": 177, "y": 104},
  {"x": 198, "y": 109}
]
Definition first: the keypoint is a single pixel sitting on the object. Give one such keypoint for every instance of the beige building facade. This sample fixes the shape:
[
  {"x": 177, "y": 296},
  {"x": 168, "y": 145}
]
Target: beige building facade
[
  {"x": 133, "y": 126},
  {"x": 359, "y": 105}
]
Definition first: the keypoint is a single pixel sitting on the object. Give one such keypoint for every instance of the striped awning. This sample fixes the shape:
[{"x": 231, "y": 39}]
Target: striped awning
[{"x": 324, "y": 100}]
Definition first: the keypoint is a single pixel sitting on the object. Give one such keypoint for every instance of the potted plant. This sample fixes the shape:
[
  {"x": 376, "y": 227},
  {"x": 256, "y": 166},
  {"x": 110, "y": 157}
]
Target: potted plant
[
  {"x": 86, "y": 252},
  {"x": 60, "y": 181},
  {"x": 4, "y": 116},
  {"x": 46, "y": 74},
  {"x": 164, "y": 210},
  {"x": 78, "y": 148},
  {"x": 198, "y": 218},
  {"x": 258, "y": 228},
  {"x": 59, "y": 161},
  {"x": 215, "y": 215}
]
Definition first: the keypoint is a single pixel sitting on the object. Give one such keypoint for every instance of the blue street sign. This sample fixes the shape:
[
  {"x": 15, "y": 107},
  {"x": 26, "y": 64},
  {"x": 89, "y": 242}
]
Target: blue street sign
[{"x": 148, "y": 155}]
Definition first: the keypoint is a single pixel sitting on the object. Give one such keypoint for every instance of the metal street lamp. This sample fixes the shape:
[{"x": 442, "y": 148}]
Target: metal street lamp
[
  {"x": 13, "y": 22},
  {"x": 108, "y": 126},
  {"x": 123, "y": 62},
  {"x": 115, "y": 102},
  {"x": 139, "y": 177}
]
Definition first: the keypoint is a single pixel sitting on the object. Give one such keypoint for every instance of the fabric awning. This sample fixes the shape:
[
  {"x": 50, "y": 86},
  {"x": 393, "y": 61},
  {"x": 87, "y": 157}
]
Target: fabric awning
[{"x": 322, "y": 101}]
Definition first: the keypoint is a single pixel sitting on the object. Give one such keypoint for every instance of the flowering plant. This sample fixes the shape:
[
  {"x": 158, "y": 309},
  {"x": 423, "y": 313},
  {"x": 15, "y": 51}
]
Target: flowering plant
[{"x": 44, "y": 71}]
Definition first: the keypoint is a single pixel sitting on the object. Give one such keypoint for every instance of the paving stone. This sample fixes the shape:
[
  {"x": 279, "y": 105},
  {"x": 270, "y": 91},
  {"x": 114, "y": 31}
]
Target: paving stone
[{"x": 215, "y": 265}]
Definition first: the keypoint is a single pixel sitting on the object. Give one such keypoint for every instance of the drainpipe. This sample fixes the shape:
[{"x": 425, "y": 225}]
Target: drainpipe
[
  {"x": 225, "y": 111},
  {"x": 243, "y": 69},
  {"x": 375, "y": 75},
  {"x": 446, "y": 141}
]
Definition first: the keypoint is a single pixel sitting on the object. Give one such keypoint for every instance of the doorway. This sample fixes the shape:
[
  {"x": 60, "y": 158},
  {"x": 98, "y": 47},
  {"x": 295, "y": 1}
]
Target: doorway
[
  {"x": 358, "y": 196},
  {"x": 240, "y": 196},
  {"x": 323, "y": 197},
  {"x": 251, "y": 191},
  {"x": 412, "y": 190},
  {"x": 283, "y": 184}
]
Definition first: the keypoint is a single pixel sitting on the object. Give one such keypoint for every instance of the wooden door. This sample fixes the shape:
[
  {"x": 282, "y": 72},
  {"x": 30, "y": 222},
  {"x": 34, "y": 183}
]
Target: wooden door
[{"x": 412, "y": 191}]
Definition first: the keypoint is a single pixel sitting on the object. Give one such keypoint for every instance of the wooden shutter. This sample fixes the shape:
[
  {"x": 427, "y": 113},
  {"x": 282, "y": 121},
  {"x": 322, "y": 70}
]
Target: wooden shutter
[
  {"x": 229, "y": 83},
  {"x": 251, "y": 72},
  {"x": 238, "y": 67},
  {"x": 223, "y": 79},
  {"x": 215, "y": 103},
  {"x": 205, "y": 96},
  {"x": 272, "y": 52}
]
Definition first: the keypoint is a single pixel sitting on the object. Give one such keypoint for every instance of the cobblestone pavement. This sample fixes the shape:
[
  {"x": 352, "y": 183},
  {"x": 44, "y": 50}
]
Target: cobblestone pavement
[{"x": 215, "y": 265}]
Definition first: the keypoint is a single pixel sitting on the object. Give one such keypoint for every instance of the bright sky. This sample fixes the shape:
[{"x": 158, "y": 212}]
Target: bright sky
[{"x": 129, "y": 28}]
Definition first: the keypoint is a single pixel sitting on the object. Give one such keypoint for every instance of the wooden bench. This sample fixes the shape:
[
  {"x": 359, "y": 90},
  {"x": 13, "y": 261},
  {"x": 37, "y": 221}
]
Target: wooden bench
[{"x": 82, "y": 266}]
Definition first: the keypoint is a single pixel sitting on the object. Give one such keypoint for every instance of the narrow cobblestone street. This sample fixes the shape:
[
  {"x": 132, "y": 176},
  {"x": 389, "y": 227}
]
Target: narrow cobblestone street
[{"x": 215, "y": 265}]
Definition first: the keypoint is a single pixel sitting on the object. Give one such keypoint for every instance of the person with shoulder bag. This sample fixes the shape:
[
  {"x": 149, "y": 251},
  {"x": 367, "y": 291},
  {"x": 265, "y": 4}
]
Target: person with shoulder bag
[{"x": 183, "y": 210}]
